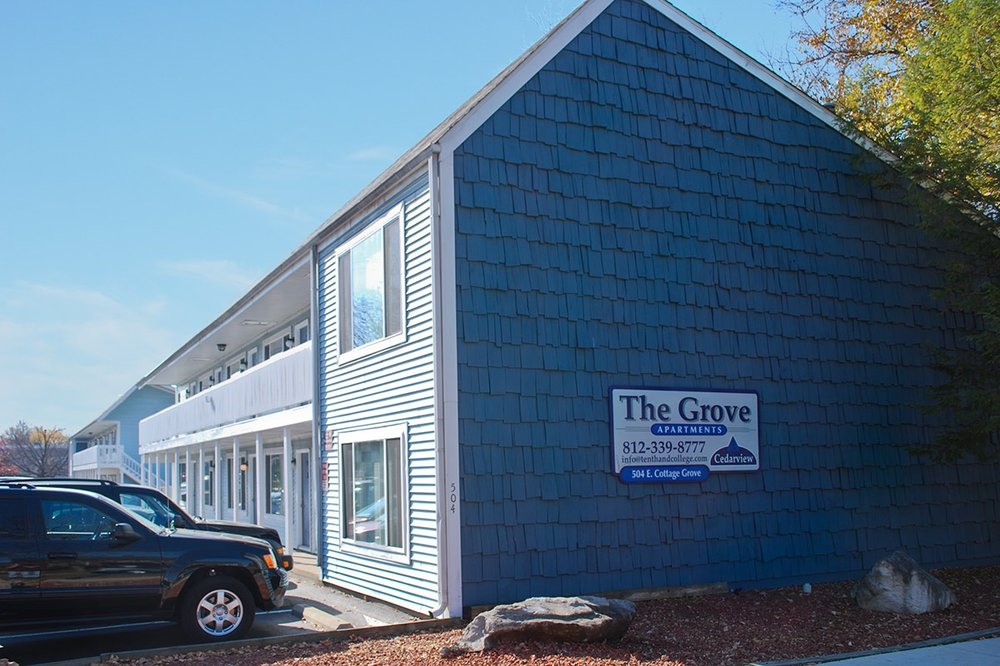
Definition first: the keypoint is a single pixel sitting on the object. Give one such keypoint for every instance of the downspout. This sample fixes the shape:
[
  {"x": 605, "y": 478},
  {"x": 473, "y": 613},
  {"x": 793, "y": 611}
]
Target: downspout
[
  {"x": 434, "y": 164},
  {"x": 317, "y": 537}
]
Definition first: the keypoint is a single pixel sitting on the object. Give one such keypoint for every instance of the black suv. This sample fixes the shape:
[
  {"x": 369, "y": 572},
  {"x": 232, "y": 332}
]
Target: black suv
[
  {"x": 157, "y": 508},
  {"x": 71, "y": 557}
]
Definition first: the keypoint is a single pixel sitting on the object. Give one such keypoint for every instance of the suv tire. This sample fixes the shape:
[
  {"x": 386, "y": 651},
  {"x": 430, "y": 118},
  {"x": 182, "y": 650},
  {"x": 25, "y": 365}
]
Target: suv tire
[{"x": 216, "y": 608}]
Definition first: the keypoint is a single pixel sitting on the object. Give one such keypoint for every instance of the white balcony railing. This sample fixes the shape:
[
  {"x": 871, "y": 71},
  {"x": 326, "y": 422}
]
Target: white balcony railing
[
  {"x": 279, "y": 383},
  {"x": 107, "y": 460},
  {"x": 99, "y": 456}
]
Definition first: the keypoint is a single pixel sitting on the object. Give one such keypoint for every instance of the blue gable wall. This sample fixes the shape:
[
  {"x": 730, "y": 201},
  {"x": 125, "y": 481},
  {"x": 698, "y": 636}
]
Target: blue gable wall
[
  {"x": 645, "y": 213},
  {"x": 143, "y": 402}
]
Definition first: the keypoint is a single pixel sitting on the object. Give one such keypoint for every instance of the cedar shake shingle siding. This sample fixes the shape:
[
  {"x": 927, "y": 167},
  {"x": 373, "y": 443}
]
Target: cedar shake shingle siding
[{"x": 644, "y": 212}]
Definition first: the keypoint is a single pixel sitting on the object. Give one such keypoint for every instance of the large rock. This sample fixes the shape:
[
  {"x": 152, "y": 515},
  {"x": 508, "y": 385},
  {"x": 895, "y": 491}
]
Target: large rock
[
  {"x": 897, "y": 584},
  {"x": 579, "y": 619}
]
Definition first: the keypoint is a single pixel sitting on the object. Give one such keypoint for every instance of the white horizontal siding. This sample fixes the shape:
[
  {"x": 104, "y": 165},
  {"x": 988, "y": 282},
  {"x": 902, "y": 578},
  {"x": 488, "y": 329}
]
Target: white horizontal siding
[{"x": 395, "y": 385}]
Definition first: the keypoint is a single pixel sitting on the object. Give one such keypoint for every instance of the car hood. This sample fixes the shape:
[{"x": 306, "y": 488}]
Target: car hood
[
  {"x": 258, "y": 531},
  {"x": 184, "y": 534}
]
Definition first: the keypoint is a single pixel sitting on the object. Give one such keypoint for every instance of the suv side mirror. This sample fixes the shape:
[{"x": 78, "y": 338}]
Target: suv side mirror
[{"x": 124, "y": 532}]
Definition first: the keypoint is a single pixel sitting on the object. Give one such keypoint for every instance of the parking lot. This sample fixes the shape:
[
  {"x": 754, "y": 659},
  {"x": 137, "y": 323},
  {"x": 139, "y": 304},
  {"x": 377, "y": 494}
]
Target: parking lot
[{"x": 310, "y": 608}]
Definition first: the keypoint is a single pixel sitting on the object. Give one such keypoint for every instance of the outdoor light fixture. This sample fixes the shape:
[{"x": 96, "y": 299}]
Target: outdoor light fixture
[
  {"x": 243, "y": 464},
  {"x": 221, "y": 346}
]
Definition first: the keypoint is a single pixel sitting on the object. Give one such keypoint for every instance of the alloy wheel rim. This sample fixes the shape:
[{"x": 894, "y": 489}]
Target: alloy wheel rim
[{"x": 220, "y": 612}]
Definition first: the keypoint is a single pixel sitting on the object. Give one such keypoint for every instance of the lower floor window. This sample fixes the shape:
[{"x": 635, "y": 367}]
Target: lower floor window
[
  {"x": 230, "y": 483},
  {"x": 208, "y": 483},
  {"x": 275, "y": 486},
  {"x": 373, "y": 507}
]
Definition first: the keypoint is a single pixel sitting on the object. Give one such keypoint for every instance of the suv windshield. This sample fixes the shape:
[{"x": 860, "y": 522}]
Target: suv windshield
[{"x": 152, "y": 509}]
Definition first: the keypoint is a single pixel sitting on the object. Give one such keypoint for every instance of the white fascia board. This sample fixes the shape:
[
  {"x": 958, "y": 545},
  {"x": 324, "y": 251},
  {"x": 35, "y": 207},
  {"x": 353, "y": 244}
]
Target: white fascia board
[
  {"x": 520, "y": 72},
  {"x": 508, "y": 83},
  {"x": 767, "y": 76}
]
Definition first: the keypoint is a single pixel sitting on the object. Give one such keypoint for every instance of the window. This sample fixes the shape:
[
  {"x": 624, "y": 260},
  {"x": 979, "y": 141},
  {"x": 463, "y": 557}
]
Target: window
[
  {"x": 208, "y": 482},
  {"x": 373, "y": 503},
  {"x": 274, "y": 485},
  {"x": 182, "y": 474},
  {"x": 370, "y": 278},
  {"x": 149, "y": 507},
  {"x": 303, "y": 332},
  {"x": 228, "y": 489},
  {"x": 13, "y": 518},
  {"x": 274, "y": 348},
  {"x": 73, "y": 521}
]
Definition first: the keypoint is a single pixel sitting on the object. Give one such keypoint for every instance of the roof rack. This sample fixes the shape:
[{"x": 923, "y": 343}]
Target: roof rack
[
  {"x": 70, "y": 479},
  {"x": 16, "y": 483}
]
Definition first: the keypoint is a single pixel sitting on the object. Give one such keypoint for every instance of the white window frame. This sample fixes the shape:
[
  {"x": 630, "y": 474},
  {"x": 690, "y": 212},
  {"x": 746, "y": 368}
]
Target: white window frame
[
  {"x": 270, "y": 458},
  {"x": 389, "y": 339},
  {"x": 399, "y": 554},
  {"x": 278, "y": 342},
  {"x": 302, "y": 332}
]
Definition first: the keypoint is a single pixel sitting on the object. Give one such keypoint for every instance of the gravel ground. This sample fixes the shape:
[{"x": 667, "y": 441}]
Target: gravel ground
[{"x": 709, "y": 630}]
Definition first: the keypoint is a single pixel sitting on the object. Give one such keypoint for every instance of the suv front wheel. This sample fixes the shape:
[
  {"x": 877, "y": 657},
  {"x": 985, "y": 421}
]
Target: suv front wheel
[{"x": 217, "y": 608}]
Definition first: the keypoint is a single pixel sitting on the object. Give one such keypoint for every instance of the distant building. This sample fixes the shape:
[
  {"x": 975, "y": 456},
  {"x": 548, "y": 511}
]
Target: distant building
[{"x": 108, "y": 446}]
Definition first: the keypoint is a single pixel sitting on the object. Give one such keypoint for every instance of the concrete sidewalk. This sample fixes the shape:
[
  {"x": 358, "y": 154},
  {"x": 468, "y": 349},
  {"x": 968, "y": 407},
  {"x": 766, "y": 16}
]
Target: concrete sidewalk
[
  {"x": 983, "y": 652},
  {"x": 329, "y": 609},
  {"x": 977, "y": 649}
]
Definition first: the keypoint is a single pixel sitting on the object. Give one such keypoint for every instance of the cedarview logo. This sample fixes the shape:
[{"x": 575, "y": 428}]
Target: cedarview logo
[{"x": 734, "y": 454}]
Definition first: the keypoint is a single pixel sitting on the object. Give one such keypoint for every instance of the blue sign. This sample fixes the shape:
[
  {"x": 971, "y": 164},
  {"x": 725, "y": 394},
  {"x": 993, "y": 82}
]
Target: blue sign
[
  {"x": 669, "y": 473},
  {"x": 664, "y": 435}
]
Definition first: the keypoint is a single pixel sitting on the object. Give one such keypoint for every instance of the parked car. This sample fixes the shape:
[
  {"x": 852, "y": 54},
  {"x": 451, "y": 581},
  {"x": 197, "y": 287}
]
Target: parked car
[
  {"x": 159, "y": 509},
  {"x": 70, "y": 557}
]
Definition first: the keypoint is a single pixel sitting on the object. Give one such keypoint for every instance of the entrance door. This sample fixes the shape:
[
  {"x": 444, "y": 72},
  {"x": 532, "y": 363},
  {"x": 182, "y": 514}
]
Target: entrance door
[
  {"x": 305, "y": 501},
  {"x": 248, "y": 491}
]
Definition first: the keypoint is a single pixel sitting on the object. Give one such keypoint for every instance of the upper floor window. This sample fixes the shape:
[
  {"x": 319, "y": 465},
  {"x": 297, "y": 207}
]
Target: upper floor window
[
  {"x": 274, "y": 347},
  {"x": 370, "y": 279}
]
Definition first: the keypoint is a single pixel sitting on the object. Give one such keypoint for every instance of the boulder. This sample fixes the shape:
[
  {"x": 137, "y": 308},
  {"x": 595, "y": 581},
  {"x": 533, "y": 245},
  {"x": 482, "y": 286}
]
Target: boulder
[
  {"x": 897, "y": 584},
  {"x": 578, "y": 619}
]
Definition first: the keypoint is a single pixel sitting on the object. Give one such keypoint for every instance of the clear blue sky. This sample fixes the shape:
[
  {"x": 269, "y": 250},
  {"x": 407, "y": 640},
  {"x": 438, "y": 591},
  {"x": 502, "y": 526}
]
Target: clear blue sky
[{"x": 158, "y": 158}]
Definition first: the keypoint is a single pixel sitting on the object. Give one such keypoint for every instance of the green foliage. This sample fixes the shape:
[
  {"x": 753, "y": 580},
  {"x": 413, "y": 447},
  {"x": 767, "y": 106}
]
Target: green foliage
[
  {"x": 919, "y": 78},
  {"x": 951, "y": 90}
]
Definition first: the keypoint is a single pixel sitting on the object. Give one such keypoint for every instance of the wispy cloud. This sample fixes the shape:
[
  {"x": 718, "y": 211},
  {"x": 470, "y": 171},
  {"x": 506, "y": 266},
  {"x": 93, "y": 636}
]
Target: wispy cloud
[
  {"x": 373, "y": 154},
  {"x": 66, "y": 353},
  {"x": 221, "y": 272},
  {"x": 239, "y": 197}
]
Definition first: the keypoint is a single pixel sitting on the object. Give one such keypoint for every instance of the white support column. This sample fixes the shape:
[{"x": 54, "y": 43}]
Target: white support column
[
  {"x": 234, "y": 485},
  {"x": 97, "y": 457},
  {"x": 175, "y": 477},
  {"x": 189, "y": 480},
  {"x": 259, "y": 505},
  {"x": 217, "y": 481},
  {"x": 286, "y": 487},
  {"x": 200, "y": 480}
]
